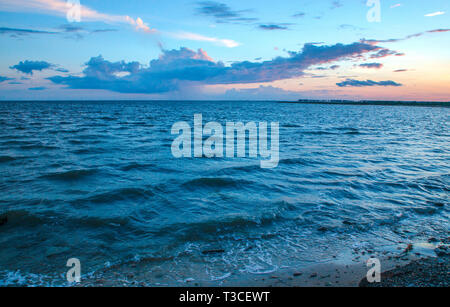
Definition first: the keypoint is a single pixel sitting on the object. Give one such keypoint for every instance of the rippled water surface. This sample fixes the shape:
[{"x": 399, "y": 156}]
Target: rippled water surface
[{"x": 97, "y": 181}]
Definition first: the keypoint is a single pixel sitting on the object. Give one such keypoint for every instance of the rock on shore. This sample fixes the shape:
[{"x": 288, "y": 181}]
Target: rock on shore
[{"x": 430, "y": 272}]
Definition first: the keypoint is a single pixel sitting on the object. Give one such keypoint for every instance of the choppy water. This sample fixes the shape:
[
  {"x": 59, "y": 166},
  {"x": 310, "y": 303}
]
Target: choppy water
[{"x": 97, "y": 181}]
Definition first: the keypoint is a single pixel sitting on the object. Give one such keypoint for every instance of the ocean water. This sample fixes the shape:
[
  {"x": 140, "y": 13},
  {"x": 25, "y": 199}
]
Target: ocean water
[{"x": 97, "y": 181}]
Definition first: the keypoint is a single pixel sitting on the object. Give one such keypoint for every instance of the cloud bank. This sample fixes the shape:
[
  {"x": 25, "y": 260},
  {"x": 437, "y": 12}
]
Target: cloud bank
[
  {"x": 177, "y": 68},
  {"x": 357, "y": 83}
]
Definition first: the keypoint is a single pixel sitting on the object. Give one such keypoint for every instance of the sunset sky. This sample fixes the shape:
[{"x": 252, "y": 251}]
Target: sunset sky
[{"x": 252, "y": 49}]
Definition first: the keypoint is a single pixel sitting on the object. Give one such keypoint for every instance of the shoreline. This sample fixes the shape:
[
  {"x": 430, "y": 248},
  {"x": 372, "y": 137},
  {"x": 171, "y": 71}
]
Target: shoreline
[
  {"x": 318, "y": 102},
  {"x": 409, "y": 267},
  {"x": 423, "y": 272},
  {"x": 373, "y": 103}
]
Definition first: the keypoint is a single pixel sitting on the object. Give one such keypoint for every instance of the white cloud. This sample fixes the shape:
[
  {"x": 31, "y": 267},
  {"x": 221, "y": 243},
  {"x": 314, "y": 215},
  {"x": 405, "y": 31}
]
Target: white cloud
[
  {"x": 60, "y": 8},
  {"x": 140, "y": 25},
  {"x": 435, "y": 14},
  {"x": 201, "y": 38}
]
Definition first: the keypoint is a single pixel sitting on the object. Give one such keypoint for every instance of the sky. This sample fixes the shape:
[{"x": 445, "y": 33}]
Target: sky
[{"x": 225, "y": 50}]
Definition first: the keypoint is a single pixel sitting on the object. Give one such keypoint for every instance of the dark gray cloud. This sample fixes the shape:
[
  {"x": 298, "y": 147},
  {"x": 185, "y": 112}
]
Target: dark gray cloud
[
  {"x": 332, "y": 67},
  {"x": 68, "y": 30},
  {"x": 222, "y": 13},
  {"x": 40, "y": 88},
  {"x": 103, "y": 30},
  {"x": 395, "y": 40},
  {"x": 357, "y": 83},
  {"x": 385, "y": 53},
  {"x": 77, "y": 32},
  {"x": 16, "y": 31},
  {"x": 272, "y": 27},
  {"x": 71, "y": 28},
  {"x": 371, "y": 65},
  {"x": 3, "y": 79},
  {"x": 439, "y": 31},
  {"x": 27, "y": 67},
  {"x": 299, "y": 15},
  {"x": 336, "y": 4},
  {"x": 317, "y": 76},
  {"x": 176, "y": 68}
]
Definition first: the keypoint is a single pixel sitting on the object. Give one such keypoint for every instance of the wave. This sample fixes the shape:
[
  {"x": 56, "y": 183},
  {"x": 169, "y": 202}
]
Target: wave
[
  {"x": 136, "y": 166},
  {"x": 348, "y": 131},
  {"x": 292, "y": 126},
  {"x": 16, "y": 142},
  {"x": 198, "y": 231},
  {"x": 318, "y": 133},
  {"x": 4, "y": 159},
  {"x": 39, "y": 146},
  {"x": 232, "y": 223},
  {"x": 118, "y": 194},
  {"x": 295, "y": 161},
  {"x": 107, "y": 118},
  {"x": 353, "y": 132},
  {"x": 70, "y": 175},
  {"x": 25, "y": 218},
  {"x": 20, "y": 279},
  {"x": 94, "y": 221},
  {"x": 337, "y": 174},
  {"x": 88, "y": 151},
  {"x": 247, "y": 169},
  {"x": 215, "y": 182},
  {"x": 68, "y": 131}
]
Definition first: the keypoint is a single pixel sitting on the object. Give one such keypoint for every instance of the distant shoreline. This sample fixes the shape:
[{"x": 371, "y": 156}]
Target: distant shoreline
[
  {"x": 374, "y": 103},
  {"x": 318, "y": 102}
]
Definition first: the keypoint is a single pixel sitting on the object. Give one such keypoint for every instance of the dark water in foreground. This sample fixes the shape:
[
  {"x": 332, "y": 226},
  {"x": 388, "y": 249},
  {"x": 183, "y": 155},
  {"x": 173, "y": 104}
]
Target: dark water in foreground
[{"x": 97, "y": 181}]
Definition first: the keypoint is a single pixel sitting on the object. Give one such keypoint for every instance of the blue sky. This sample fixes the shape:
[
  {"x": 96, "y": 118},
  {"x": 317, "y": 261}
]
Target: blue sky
[{"x": 224, "y": 50}]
